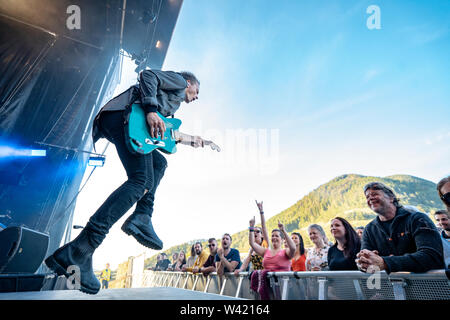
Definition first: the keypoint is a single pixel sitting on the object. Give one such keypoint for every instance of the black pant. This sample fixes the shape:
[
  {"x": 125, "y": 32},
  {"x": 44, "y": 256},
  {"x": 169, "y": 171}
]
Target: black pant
[{"x": 144, "y": 173}]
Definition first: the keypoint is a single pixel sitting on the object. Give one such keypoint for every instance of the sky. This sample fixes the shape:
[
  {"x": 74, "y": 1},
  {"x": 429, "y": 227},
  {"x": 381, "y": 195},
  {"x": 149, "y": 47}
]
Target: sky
[{"x": 295, "y": 93}]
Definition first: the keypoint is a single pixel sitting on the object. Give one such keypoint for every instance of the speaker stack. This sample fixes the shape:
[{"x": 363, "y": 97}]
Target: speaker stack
[{"x": 22, "y": 251}]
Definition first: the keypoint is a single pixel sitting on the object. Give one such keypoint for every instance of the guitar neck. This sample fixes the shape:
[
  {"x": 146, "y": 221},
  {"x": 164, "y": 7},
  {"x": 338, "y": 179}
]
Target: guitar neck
[
  {"x": 189, "y": 140},
  {"x": 180, "y": 136}
]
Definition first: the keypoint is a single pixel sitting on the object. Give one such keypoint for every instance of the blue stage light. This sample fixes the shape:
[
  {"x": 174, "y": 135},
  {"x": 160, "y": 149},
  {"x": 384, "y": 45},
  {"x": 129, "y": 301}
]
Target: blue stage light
[
  {"x": 13, "y": 151},
  {"x": 38, "y": 153},
  {"x": 96, "y": 161}
]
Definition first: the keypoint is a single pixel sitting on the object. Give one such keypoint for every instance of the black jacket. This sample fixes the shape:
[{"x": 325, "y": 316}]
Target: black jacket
[
  {"x": 161, "y": 91},
  {"x": 413, "y": 242}
]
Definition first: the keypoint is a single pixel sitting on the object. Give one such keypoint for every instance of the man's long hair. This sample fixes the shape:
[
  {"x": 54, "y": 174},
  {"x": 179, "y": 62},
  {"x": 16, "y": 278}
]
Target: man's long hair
[{"x": 386, "y": 190}]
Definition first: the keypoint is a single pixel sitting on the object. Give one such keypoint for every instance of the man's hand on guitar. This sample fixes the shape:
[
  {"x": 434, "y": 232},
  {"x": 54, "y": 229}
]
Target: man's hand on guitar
[{"x": 156, "y": 125}]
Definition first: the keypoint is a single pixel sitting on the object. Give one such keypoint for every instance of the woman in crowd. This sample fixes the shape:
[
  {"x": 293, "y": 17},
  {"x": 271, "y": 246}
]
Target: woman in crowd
[
  {"x": 253, "y": 258},
  {"x": 192, "y": 257},
  {"x": 342, "y": 255},
  {"x": 275, "y": 257},
  {"x": 174, "y": 259},
  {"x": 317, "y": 257},
  {"x": 299, "y": 260},
  {"x": 180, "y": 262}
]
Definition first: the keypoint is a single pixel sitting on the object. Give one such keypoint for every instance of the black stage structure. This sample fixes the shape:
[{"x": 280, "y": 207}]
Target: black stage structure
[{"x": 60, "y": 61}]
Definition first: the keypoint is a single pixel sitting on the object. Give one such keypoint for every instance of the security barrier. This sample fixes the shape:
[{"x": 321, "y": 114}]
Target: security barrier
[{"x": 322, "y": 285}]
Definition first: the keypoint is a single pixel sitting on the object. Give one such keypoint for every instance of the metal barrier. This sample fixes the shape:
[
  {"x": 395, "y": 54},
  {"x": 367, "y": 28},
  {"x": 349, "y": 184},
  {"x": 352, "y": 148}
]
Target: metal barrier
[{"x": 322, "y": 285}]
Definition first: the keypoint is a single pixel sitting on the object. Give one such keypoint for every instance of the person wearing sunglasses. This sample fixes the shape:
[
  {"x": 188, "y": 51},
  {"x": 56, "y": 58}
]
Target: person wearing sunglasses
[
  {"x": 443, "y": 188},
  {"x": 253, "y": 259},
  {"x": 210, "y": 265},
  {"x": 443, "y": 217}
]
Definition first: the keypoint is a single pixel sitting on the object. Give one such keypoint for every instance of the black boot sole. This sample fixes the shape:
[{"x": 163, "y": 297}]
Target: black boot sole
[
  {"x": 61, "y": 271},
  {"x": 131, "y": 230}
]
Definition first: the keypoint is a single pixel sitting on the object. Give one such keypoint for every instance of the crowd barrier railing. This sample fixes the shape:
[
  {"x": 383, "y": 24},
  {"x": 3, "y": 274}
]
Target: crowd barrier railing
[{"x": 320, "y": 285}]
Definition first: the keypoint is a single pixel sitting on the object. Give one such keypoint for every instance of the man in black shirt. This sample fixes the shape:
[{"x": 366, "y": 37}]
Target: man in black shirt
[
  {"x": 210, "y": 264},
  {"x": 163, "y": 264},
  {"x": 398, "y": 239}
]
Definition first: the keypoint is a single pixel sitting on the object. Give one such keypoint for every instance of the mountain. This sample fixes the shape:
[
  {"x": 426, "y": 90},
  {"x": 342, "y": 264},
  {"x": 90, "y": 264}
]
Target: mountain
[{"x": 343, "y": 197}]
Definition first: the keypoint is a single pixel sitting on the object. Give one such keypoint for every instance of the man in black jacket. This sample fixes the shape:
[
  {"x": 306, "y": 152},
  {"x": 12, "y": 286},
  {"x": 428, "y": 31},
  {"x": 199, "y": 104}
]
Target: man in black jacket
[
  {"x": 161, "y": 91},
  {"x": 398, "y": 239}
]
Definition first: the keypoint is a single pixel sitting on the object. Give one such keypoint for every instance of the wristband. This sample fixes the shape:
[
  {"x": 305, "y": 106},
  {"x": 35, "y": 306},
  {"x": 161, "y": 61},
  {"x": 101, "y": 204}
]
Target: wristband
[
  {"x": 261, "y": 212},
  {"x": 251, "y": 229}
]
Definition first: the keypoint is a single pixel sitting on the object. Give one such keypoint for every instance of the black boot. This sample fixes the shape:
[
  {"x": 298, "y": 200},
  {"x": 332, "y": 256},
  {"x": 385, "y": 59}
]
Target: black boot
[
  {"x": 78, "y": 253},
  {"x": 140, "y": 227}
]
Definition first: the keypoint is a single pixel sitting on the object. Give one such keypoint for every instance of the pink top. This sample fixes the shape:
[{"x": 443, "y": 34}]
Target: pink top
[{"x": 279, "y": 262}]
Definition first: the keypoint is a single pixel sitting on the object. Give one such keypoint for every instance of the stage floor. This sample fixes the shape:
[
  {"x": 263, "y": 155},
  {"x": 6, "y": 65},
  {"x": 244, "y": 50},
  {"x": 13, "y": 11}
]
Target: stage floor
[{"x": 160, "y": 293}]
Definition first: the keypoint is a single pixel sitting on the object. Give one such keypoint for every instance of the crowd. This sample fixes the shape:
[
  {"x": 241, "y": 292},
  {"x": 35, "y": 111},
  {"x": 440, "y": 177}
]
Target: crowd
[{"x": 400, "y": 238}]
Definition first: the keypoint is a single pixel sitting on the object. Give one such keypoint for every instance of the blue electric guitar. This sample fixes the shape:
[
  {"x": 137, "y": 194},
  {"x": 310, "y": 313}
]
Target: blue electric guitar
[{"x": 138, "y": 136}]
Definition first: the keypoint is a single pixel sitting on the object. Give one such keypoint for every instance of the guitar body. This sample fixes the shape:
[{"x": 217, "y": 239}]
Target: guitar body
[{"x": 138, "y": 137}]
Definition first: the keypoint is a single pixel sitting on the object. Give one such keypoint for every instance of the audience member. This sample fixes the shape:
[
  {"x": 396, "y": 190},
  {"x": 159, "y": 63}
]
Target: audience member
[
  {"x": 192, "y": 257},
  {"x": 275, "y": 257},
  {"x": 164, "y": 263},
  {"x": 443, "y": 220},
  {"x": 253, "y": 259},
  {"x": 227, "y": 258},
  {"x": 342, "y": 255},
  {"x": 210, "y": 264},
  {"x": 360, "y": 231},
  {"x": 443, "y": 188},
  {"x": 397, "y": 239},
  {"x": 298, "y": 262},
  {"x": 180, "y": 262},
  {"x": 158, "y": 262},
  {"x": 201, "y": 255},
  {"x": 317, "y": 257},
  {"x": 174, "y": 259}
]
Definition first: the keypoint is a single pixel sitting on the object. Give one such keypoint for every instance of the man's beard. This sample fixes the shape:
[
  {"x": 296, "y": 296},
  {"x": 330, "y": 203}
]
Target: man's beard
[{"x": 381, "y": 209}]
